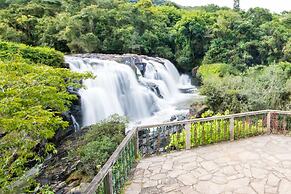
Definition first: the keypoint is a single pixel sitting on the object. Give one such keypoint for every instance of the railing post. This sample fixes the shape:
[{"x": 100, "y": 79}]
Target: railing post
[
  {"x": 269, "y": 122},
  {"x": 284, "y": 124},
  {"x": 188, "y": 136},
  {"x": 231, "y": 128},
  {"x": 108, "y": 182},
  {"x": 136, "y": 144}
]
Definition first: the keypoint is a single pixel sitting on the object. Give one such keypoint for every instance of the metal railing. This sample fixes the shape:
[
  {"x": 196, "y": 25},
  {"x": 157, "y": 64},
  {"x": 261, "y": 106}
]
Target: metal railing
[{"x": 148, "y": 140}]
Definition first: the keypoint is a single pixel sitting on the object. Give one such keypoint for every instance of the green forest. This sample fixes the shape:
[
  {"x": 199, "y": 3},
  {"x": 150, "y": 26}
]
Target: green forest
[
  {"x": 241, "y": 60},
  {"x": 245, "y": 41}
]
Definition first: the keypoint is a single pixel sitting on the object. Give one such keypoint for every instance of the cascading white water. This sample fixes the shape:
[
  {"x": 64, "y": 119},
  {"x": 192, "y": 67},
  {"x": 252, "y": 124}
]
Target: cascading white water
[
  {"x": 161, "y": 76},
  {"x": 117, "y": 90},
  {"x": 172, "y": 70},
  {"x": 185, "y": 81},
  {"x": 75, "y": 124}
]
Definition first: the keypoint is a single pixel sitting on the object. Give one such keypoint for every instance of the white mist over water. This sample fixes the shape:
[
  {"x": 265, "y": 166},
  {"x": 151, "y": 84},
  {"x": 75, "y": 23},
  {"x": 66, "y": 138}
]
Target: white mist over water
[{"x": 117, "y": 90}]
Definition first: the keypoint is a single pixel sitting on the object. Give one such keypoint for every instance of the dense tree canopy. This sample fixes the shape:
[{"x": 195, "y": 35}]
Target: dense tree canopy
[{"x": 207, "y": 34}]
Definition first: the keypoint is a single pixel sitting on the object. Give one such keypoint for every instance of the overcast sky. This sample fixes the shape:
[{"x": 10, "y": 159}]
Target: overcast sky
[{"x": 273, "y": 5}]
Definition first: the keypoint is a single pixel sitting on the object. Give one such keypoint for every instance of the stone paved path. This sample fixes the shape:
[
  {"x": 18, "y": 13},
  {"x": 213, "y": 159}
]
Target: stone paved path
[{"x": 254, "y": 165}]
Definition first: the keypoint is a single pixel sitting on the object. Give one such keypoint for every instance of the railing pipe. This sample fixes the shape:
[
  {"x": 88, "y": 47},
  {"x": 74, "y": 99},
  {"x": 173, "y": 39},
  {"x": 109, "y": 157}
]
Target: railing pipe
[{"x": 136, "y": 144}]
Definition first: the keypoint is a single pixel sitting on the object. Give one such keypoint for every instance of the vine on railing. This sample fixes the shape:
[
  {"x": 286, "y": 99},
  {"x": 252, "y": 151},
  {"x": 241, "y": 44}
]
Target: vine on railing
[
  {"x": 122, "y": 167},
  {"x": 280, "y": 122},
  {"x": 208, "y": 132},
  {"x": 114, "y": 173},
  {"x": 250, "y": 126}
]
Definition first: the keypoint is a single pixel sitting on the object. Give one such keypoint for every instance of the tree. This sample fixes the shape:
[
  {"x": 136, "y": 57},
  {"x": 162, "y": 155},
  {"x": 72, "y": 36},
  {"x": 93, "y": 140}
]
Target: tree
[
  {"x": 32, "y": 98},
  {"x": 236, "y": 5},
  {"x": 192, "y": 38}
]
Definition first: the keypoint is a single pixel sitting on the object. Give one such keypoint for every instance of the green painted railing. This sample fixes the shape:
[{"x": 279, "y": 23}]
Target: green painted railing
[
  {"x": 114, "y": 173},
  {"x": 161, "y": 138}
]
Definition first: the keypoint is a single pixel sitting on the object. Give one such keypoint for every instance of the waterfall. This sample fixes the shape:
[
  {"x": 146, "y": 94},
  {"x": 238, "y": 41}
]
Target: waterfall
[
  {"x": 172, "y": 70},
  {"x": 117, "y": 89},
  {"x": 158, "y": 73},
  {"x": 75, "y": 124},
  {"x": 185, "y": 81}
]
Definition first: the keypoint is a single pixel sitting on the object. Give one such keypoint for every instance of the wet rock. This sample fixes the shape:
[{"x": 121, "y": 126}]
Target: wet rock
[
  {"x": 66, "y": 65},
  {"x": 196, "y": 110},
  {"x": 173, "y": 118},
  {"x": 179, "y": 117},
  {"x": 202, "y": 110},
  {"x": 155, "y": 89},
  {"x": 60, "y": 186},
  {"x": 57, "y": 171}
]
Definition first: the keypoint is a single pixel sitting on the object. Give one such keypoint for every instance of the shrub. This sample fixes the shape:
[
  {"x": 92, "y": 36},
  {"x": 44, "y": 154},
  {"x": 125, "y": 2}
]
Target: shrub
[
  {"x": 40, "y": 55},
  {"x": 204, "y": 133},
  {"x": 217, "y": 69},
  {"x": 97, "y": 145},
  {"x": 261, "y": 87},
  {"x": 95, "y": 153}
]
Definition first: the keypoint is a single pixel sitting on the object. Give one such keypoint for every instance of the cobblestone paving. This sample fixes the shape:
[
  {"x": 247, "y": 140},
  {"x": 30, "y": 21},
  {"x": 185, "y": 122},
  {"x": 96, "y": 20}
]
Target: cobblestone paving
[{"x": 254, "y": 165}]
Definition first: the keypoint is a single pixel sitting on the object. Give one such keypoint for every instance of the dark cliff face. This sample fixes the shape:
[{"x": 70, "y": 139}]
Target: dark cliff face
[
  {"x": 58, "y": 170},
  {"x": 76, "y": 106},
  {"x": 73, "y": 116}
]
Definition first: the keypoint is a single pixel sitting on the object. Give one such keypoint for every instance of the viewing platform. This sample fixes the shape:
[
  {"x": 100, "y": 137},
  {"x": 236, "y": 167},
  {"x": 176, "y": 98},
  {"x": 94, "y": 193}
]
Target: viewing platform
[
  {"x": 239, "y": 153},
  {"x": 249, "y": 166}
]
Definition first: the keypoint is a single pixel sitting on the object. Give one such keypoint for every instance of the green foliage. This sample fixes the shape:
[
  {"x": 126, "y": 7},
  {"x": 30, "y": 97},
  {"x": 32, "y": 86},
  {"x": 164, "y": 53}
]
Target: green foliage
[
  {"x": 46, "y": 190},
  {"x": 247, "y": 128},
  {"x": 98, "y": 144},
  {"x": 177, "y": 140},
  {"x": 204, "y": 133},
  {"x": 219, "y": 69},
  {"x": 121, "y": 169},
  {"x": 32, "y": 98},
  {"x": 189, "y": 37},
  {"x": 38, "y": 55},
  {"x": 95, "y": 153},
  {"x": 192, "y": 37},
  {"x": 234, "y": 47},
  {"x": 287, "y": 51},
  {"x": 249, "y": 38},
  {"x": 257, "y": 89}
]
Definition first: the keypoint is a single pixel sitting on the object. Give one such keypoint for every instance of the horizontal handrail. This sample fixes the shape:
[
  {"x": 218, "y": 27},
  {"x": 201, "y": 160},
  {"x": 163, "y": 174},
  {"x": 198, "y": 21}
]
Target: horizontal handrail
[
  {"x": 141, "y": 127},
  {"x": 281, "y": 112}
]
